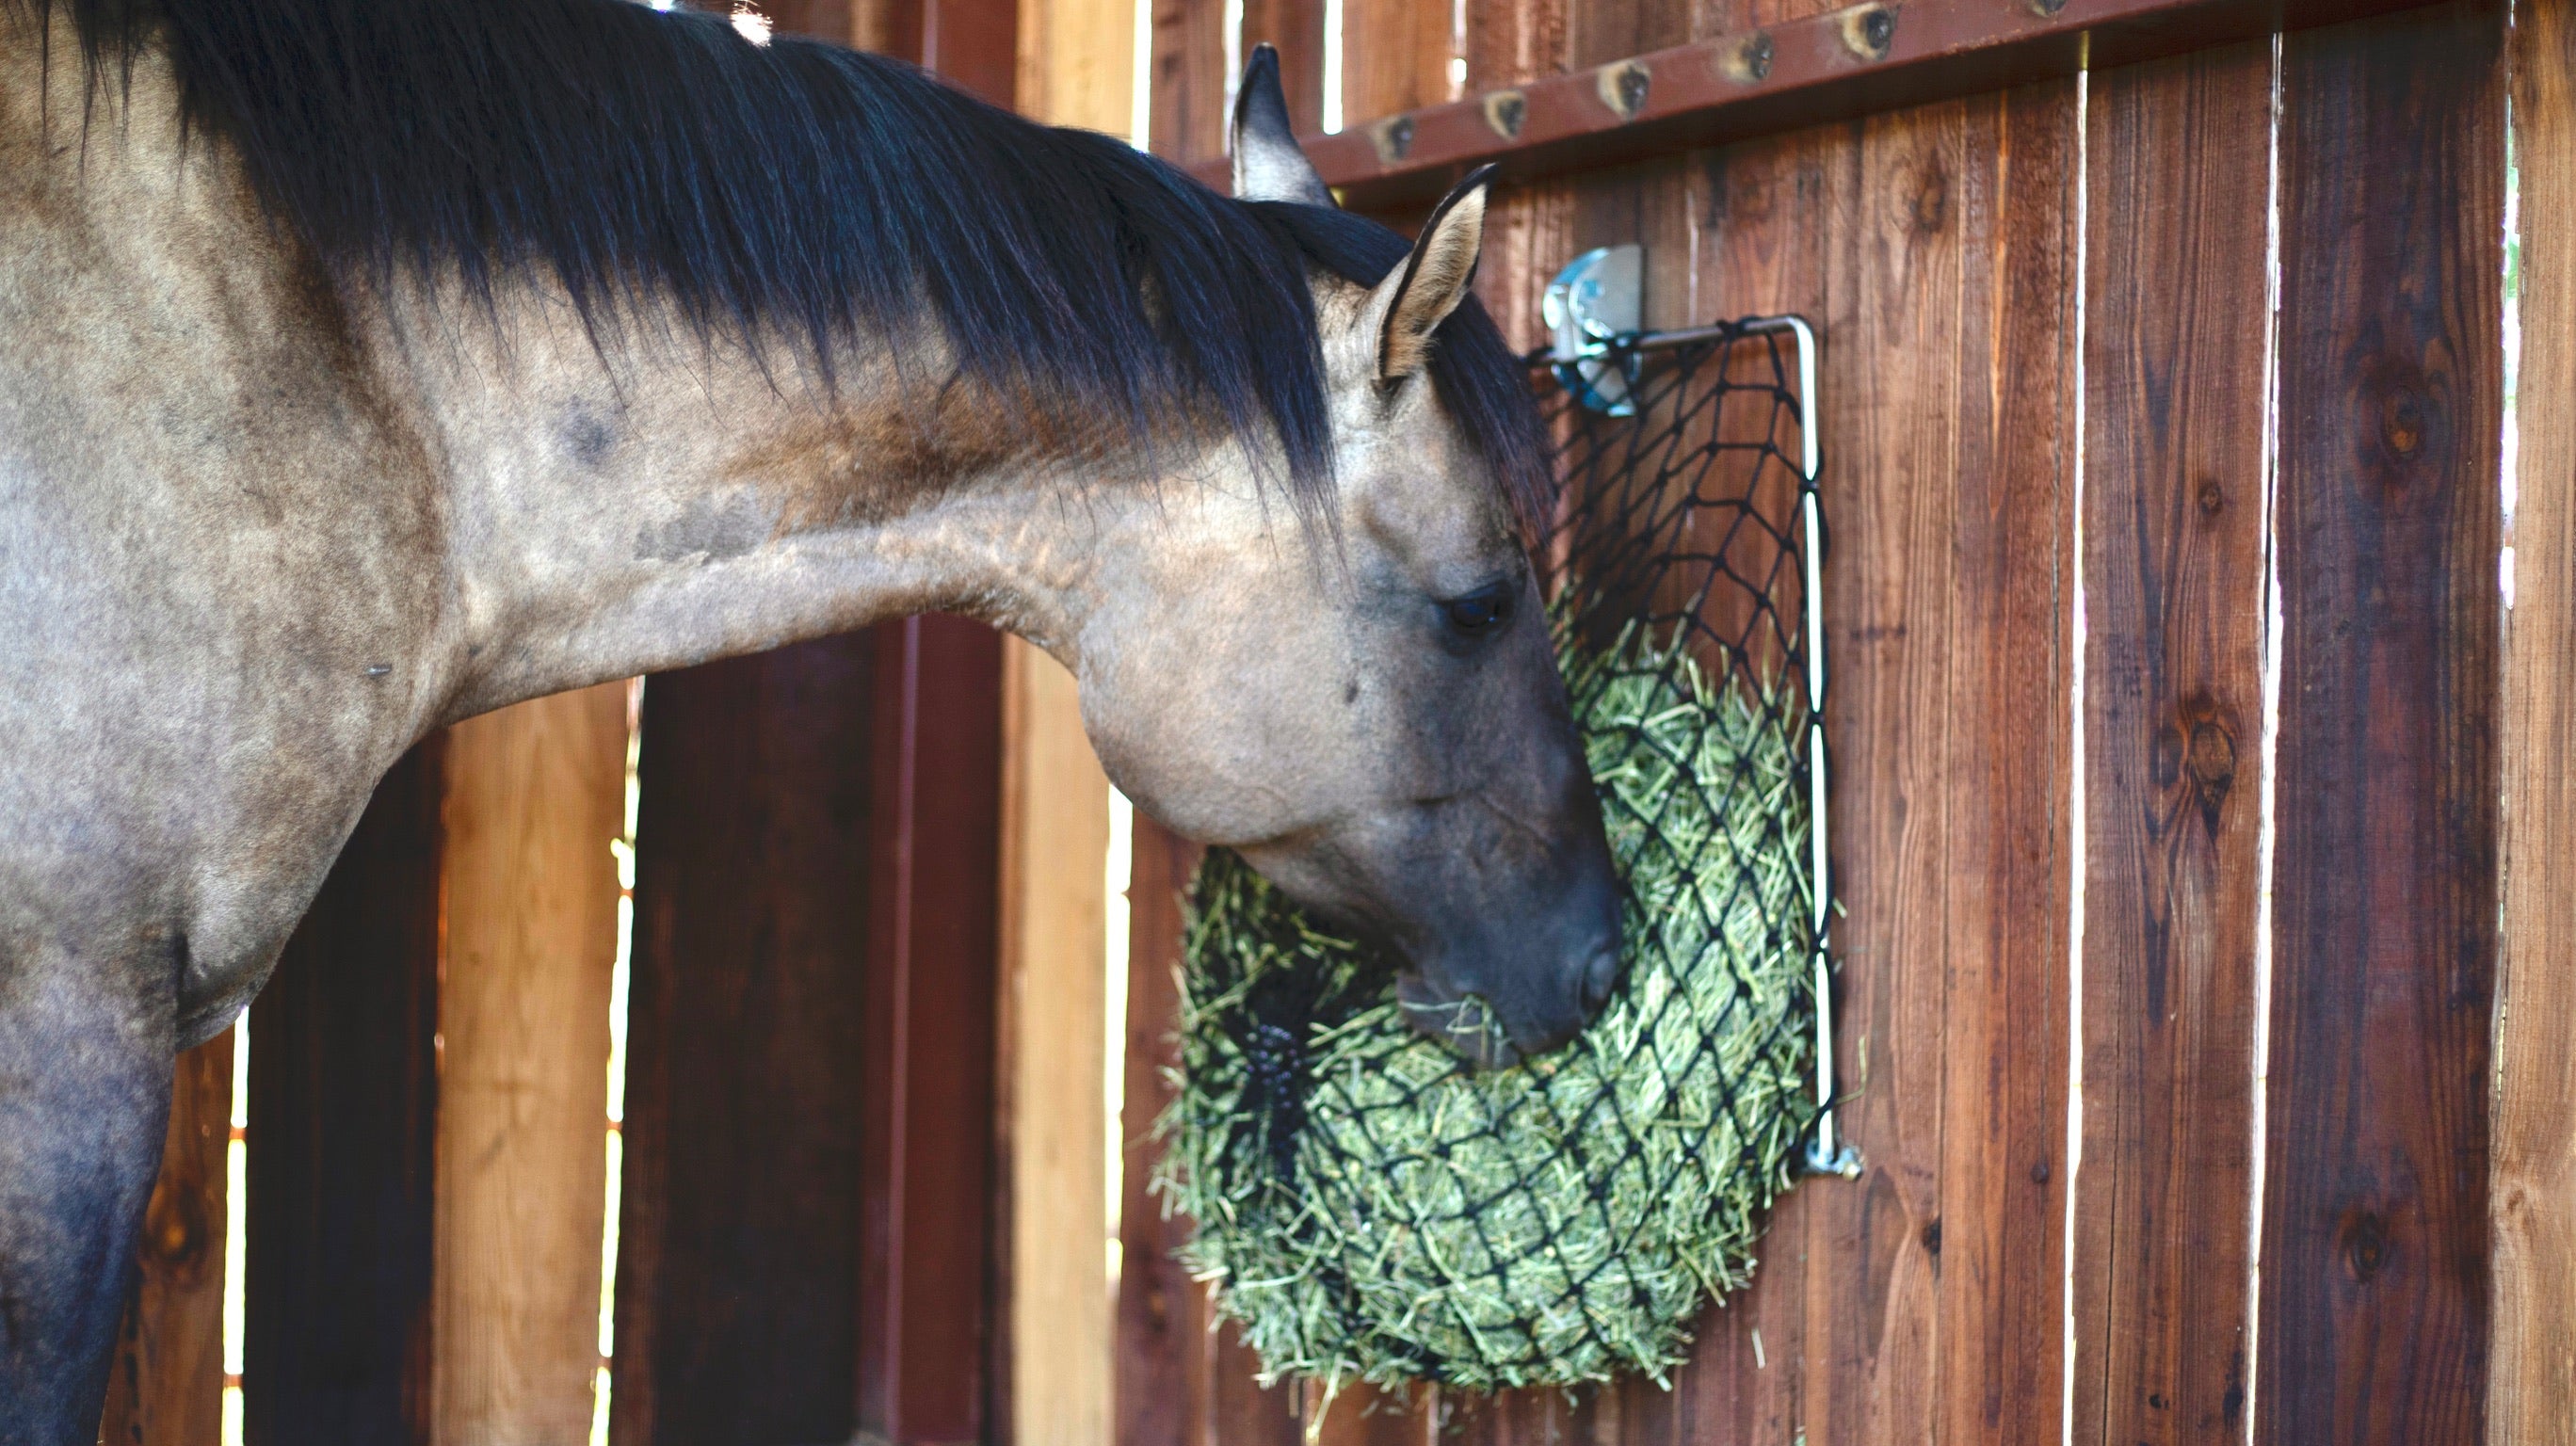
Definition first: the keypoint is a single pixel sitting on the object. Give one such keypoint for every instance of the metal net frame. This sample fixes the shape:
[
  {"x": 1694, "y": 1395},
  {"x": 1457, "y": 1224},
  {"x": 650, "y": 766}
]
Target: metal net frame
[{"x": 1566, "y": 1219}]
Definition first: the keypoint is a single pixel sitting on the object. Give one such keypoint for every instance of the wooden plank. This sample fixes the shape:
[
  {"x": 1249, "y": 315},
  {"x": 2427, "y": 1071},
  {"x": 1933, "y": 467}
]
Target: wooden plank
[
  {"x": 1395, "y": 57},
  {"x": 1161, "y": 1399},
  {"x": 535, "y": 794},
  {"x": 2374, "y": 1309},
  {"x": 2532, "y": 1394},
  {"x": 738, "y": 1242},
  {"x": 1296, "y": 27},
  {"x": 2173, "y": 576},
  {"x": 167, "y": 1386},
  {"x": 343, "y": 1113},
  {"x": 1896, "y": 247},
  {"x": 1055, "y": 849},
  {"x": 1766, "y": 203},
  {"x": 2006, "y": 1018},
  {"x": 927, "y": 1282},
  {"x": 974, "y": 45},
  {"x": 1812, "y": 63},
  {"x": 1077, "y": 63},
  {"x": 1187, "y": 121}
]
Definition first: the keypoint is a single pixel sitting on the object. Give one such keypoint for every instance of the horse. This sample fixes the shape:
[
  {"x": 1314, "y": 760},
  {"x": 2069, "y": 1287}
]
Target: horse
[{"x": 366, "y": 365}]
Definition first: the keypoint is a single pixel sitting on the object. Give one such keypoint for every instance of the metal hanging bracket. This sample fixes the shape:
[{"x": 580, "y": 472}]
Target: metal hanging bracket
[
  {"x": 1595, "y": 303},
  {"x": 1595, "y": 312}
]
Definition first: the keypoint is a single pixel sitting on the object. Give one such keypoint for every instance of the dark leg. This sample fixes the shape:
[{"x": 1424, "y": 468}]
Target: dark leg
[{"x": 86, "y": 1045}]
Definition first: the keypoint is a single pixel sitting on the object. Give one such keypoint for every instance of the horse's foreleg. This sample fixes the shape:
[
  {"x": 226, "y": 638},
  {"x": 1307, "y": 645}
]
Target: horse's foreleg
[{"x": 85, "y": 1060}]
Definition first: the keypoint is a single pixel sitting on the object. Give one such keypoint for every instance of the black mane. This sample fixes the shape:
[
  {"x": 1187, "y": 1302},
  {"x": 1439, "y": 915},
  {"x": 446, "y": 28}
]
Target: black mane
[{"x": 794, "y": 190}]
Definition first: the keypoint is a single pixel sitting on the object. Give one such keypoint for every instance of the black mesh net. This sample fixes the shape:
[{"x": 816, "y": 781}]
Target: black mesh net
[{"x": 1372, "y": 1207}]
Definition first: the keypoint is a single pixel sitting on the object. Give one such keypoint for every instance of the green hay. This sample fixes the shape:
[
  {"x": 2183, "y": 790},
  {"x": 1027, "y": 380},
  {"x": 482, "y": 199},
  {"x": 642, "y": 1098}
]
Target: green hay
[{"x": 1551, "y": 1223}]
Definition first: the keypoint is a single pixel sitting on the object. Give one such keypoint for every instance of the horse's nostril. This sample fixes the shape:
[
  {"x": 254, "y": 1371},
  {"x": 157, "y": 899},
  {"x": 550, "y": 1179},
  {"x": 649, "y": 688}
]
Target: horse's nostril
[{"x": 1600, "y": 976}]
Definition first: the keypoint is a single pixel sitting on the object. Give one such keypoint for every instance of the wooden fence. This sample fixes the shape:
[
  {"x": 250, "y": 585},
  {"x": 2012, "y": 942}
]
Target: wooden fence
[
  {"x": 2204, "y": 819},
  {"x": 2181, "y": 741}
]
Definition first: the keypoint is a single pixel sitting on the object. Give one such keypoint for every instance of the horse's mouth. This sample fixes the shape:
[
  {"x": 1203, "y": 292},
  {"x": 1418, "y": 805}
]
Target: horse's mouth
[{"x": 1463, "y": 1024}]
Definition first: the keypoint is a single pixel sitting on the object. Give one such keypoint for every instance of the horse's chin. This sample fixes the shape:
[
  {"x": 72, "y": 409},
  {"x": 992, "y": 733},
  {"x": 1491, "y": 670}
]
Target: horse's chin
[{"x": 1462, "y": 1024}]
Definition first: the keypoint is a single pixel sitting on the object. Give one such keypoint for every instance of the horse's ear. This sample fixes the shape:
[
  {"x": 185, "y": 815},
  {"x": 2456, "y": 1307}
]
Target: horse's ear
[
  {"x": 1417, "y": 296},
  {"x": 1268, "y": 166}
]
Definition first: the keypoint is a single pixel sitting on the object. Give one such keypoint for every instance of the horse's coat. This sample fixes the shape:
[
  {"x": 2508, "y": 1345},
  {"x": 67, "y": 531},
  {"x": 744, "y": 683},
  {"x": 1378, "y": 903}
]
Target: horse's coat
[{"x": 286, "y": 483}]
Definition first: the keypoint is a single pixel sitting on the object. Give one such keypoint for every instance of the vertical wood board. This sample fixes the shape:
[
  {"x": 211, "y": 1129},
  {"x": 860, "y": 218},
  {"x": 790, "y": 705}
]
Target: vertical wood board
[
  {"x": 930, "y": 1253},
  {"x": 2532, "y": 1396},
  {"x": 1055, "y": 850},
  {"x": 1296, "y": 27},
  {"x": 166, "y": 1387},
  {"x": 737, "y": 1273},
  {"x": 1186, "y": 117},
  {"x": 2008, "y": 845},
  {"x": 2374, "y": 1310},
  {"x": 2173, "y": 572},
  {"x": 535, "y": 793},
  {"x": 342, "y": 1132}
]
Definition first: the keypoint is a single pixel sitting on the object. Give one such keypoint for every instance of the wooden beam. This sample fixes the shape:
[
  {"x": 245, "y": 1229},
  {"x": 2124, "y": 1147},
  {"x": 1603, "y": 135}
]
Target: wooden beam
[
  {"x": 535, "y": 794},
  {"x": 1055, "y": 849},
  {"x": 167, "y": 1387},
  {"x": 342, "y": 1139},
  {"x": 2532, "y": 1395},
  {"x": 2373, "y": 1322},
  {"x": 1861, "y": 60}
]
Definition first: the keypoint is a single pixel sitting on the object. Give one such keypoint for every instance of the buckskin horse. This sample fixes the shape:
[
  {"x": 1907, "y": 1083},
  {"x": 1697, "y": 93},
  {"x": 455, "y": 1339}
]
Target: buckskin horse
[{"x": 370, "y": 364}]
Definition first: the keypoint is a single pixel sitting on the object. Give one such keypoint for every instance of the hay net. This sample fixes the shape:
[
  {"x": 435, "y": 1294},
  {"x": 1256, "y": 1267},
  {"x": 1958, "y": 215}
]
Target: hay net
[{"x": 1368, "y": 1206}]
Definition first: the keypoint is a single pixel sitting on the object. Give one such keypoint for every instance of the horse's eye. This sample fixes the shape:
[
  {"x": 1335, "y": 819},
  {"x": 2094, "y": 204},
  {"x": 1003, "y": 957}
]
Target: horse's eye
[{"x": 1481, "y": 611}]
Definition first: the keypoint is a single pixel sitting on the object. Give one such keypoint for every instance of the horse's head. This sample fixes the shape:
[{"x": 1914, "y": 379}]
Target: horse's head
[{"x": 1369, "y": 709}]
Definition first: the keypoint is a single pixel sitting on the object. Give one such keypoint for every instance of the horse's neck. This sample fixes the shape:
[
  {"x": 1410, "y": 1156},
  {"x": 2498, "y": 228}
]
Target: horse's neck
[
  {"x": 483, "y": 504},
  {"x": 677, "y": 503}
]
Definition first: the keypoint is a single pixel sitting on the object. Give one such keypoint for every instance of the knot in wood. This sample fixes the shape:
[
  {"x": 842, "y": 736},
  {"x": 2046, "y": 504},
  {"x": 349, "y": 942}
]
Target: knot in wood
[
  {"x": 2212, "y": 497},
  {"x": 1931, "y": 205},
  {"x": 2365, "y": 1244},
  {"x": 2213, "y": 756},
  {"x": 2402, "y": 420}
]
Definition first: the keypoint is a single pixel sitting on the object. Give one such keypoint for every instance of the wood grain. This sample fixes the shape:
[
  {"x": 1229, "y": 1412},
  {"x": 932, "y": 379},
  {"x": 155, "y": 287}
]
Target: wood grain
[
  {"x": 167, "y": 1385},
  {"x": 2374, "y": 1310},
  {"x": 1161, "y": 1389},
  {"x": 2006, "y": 1016},
  {"x": 1077, "y": 63},
  {"x": 1297, "y": 28},
  {"x": 1187, "y": 120},
  {"x": 2173, "y": 573},
  {"x": 737, "y": 1270},
  {"x": 2531, "y": 1397},
  {"x": 1055, "y": 849},
  {"x": 535, "y": 794},
  {"x": 931, "y": 1355},
  {"x": 344, "y": 1111},
  {"x": 1764, "y": 204},
  {"x": 1395, "y": 57},
  {"x": 1896, "y": 249}
]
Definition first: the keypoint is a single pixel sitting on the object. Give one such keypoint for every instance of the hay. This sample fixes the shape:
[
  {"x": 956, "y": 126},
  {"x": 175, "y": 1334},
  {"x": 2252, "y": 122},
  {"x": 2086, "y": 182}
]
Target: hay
[{"x": 1370, "y": 1209}]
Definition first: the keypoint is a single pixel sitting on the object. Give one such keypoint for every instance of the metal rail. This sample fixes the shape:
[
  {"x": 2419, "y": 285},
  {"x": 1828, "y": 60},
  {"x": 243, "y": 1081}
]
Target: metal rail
[{"x": 1828, "y": 1153}]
